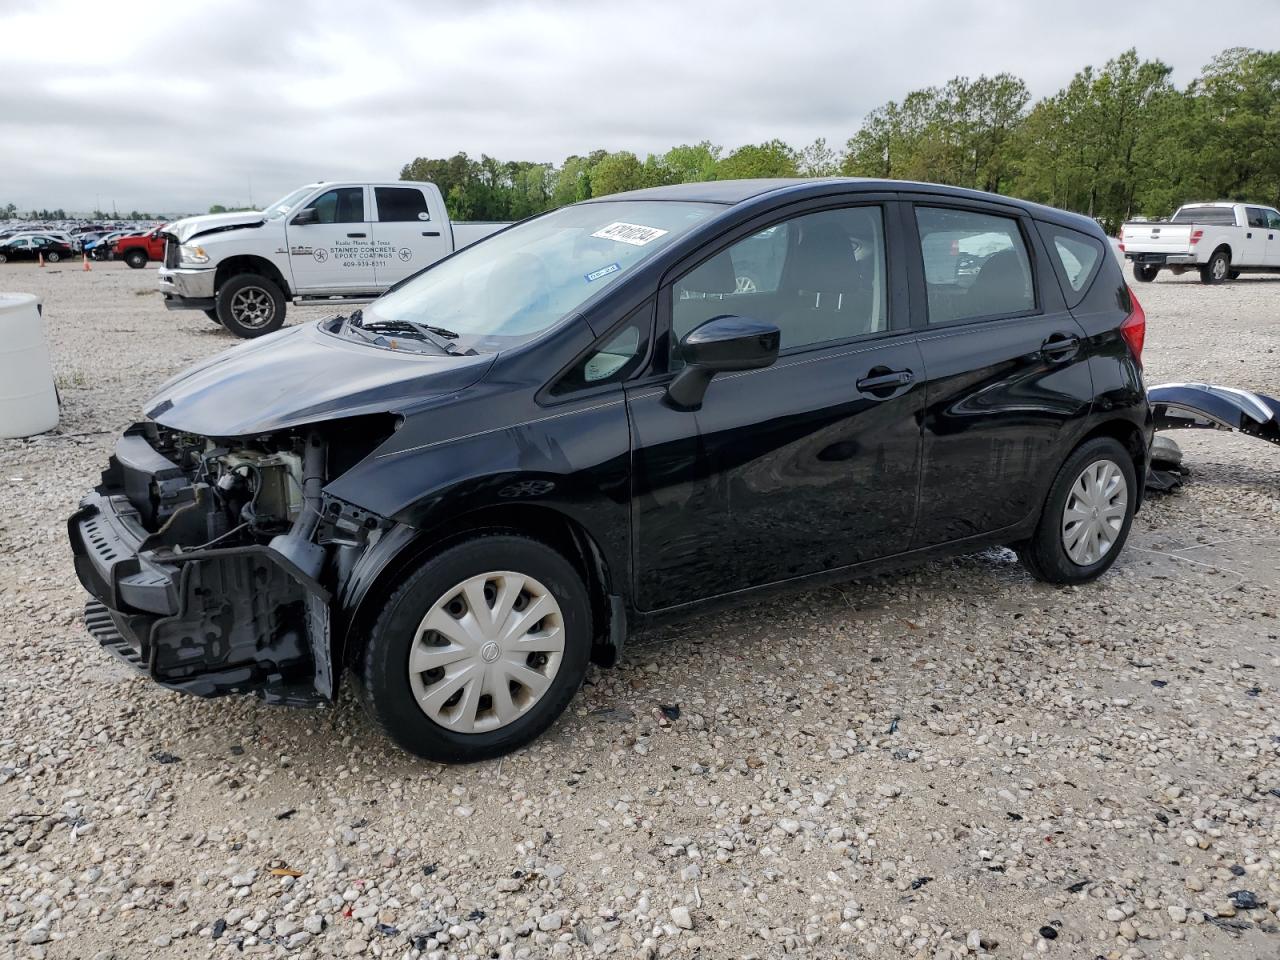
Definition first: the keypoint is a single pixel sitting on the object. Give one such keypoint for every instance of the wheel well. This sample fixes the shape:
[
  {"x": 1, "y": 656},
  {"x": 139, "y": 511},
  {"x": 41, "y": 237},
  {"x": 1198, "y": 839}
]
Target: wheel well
[
  {"x": 543, "y": 524},
  {"x": 246, "y": 264},
  {"x": 1219, "y": 248},
  {"x": 1131, "y": 437}
]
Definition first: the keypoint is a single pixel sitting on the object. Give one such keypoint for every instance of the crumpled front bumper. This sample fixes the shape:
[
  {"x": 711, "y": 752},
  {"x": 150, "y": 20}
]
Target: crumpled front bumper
[{"x": 205, "y": 621}]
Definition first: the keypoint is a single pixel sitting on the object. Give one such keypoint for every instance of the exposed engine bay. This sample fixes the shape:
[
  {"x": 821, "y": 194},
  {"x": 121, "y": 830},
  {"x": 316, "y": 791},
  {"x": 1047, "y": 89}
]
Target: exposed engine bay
[{"x": 212, "y": 561}]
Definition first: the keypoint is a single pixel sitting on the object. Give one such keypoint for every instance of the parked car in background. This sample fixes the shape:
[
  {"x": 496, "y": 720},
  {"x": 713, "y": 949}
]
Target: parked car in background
[
  {"x": 324, "y": 241},
  {"x": 103, "y": 247},
  {"x": 32, "y": 246},
  {"x": 587, "y": 424},
  {"x": 140, "y": 249},
  {"x": 1221, "y": 240}
]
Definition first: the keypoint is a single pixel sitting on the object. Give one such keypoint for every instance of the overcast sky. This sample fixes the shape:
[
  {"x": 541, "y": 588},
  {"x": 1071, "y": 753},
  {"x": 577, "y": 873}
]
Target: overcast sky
[{"x": 175, "y": 106}]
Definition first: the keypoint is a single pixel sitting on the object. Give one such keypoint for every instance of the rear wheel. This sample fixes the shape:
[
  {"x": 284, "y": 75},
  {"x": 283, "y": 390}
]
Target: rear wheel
[
  {"x": 479, "y": 650},
  {"x": 1145, "y": 272},
  {"x": 1217, "y": 269},
  {"x": 1233, "y": 275},
  {"x": 1086, "y": 517},
  {"x": 250, "y": 305},
  {"x": 4, "y": 257},
  {"x": 53, "y": 256},
  {"x": 137, "y": 259}
]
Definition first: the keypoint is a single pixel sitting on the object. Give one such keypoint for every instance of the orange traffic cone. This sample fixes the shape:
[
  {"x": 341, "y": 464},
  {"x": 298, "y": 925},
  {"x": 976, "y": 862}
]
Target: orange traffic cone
[
  {"x": 87, "y": 268},
  {"x": 42, "y": 258}
]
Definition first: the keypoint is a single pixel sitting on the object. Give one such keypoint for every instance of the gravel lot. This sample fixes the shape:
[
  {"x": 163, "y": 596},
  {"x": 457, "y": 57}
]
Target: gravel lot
[{"x": 953, "y": 762}]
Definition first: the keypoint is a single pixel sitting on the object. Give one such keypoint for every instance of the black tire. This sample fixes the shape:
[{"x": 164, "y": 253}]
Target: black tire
[
  {"x": 213, "y": 315},
  {"x": 250, "y": 305},
  {"x": 1144, "y": 272},
  {"x": 383, "y": 678},
  {"x": 4, "y": 257},
  {"x": 1045, "y": 555},
  {"x": 1233, "y": 275},
  {"x": 53, "y": 256},
  {"x": 1217, "y": 269},
  {"x": 137, "y": 259}
]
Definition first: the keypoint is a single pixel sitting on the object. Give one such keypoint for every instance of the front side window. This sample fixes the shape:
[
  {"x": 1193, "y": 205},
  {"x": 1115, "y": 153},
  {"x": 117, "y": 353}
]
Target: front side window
[
  {"x": 975, "y": 265},
  {"x": 819, "y": 277},
  {"x": 343, "y": 205},
  {"x": 401, "y": 204},
  {"x": 520, "y": 282},
  {"x": 1273, "y": 220}
]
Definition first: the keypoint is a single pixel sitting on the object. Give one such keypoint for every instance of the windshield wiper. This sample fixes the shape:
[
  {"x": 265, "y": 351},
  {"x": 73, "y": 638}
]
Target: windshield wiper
[{"x": 438, "y": 337}]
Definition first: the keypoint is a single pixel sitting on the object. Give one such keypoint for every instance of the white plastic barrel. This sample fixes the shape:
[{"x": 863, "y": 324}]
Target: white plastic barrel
[{"x": 28, "y": 400}]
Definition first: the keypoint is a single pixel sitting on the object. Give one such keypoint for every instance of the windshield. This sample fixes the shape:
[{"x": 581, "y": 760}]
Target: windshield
[
  {"x": 285, "y": 204},
  {"x": 519, "y": 283}
]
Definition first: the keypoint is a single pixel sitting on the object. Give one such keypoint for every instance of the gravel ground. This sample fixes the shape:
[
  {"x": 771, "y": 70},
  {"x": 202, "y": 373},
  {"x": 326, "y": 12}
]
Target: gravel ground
[{"x": 953, "y": 762}]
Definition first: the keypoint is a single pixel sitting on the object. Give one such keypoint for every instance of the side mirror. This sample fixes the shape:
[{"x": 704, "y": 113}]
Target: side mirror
[
  {"x": 720, "y": 345},
  {"x": 304, "y": 217}
]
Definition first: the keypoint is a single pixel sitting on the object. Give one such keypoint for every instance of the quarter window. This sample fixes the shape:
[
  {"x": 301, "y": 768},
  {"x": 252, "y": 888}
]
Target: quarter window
[
  {"x": 975, "y": 265},
  {"x": 820, "y": 277},
  {"x": 1077, "y": 257},
  {"x": 614, "y": 358},
  {"x": 343, "y": 205},
  {"x": 401, "y": 204}
]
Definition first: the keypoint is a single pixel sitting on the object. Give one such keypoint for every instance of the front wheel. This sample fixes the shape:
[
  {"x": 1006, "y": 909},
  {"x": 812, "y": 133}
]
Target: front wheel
[
  {"x": 137, "y": 259},
  {"x": 479, "y": 650},
  {"x": 250, "y": 305},
  {"x": 1086, "y": 517},
  {"x": 1145, "y": 273},
  {"x": 1217, "y": 269}
]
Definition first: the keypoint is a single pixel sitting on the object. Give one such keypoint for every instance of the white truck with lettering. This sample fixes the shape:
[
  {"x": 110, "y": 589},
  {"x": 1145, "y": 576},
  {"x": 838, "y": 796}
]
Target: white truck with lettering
[
  {"x": 325, "y": 242},
  {"x": 1219, "y": 240}
]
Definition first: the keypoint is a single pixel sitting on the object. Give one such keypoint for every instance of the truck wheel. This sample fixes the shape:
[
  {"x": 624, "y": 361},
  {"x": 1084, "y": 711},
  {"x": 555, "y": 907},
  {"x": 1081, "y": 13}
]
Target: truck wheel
[
  {"x": 1145, "y": 273},
  {"x": 1233, "y": 275},
  {"x": 136, "y": 259},
  {"x": 250, "y": 305},
  {"x": 213, "y": 315},
  {"x": 1217, "y": 269},
  {"x": 479, "y": 650}
]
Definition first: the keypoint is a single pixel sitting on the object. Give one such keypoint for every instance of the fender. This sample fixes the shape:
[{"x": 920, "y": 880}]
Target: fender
[{"x": 1206, "y": 406}]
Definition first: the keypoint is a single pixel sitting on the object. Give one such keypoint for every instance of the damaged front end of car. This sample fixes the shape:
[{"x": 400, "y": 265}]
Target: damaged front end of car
[{"x": 211, "y": 561}]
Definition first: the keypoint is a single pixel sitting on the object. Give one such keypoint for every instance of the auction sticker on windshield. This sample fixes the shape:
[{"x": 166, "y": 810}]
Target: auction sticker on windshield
[
  {"x": 603, "y": 272},
  {"x": 632, "y": 233}
]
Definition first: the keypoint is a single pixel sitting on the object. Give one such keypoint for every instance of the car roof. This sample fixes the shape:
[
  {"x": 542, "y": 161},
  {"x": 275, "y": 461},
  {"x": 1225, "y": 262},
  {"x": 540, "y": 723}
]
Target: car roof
[{"x": 734, "y": 192}]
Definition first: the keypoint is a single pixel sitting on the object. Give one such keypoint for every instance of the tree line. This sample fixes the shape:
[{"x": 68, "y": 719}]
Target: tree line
[{"x": 1114, "y": 143}]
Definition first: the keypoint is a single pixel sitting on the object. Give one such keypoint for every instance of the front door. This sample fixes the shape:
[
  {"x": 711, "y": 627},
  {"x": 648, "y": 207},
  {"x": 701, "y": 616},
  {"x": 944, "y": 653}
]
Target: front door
[
  {"x": 1007, "y": 369},
  {"x": 809, "y": 465},
  {"x": 334, "y": 253},
  {"x": 405, "y": 236}
]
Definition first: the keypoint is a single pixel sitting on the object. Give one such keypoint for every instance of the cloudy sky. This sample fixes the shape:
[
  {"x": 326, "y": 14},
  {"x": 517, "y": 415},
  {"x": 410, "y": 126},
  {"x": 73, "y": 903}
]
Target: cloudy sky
[{"x": 175, "y": 106}]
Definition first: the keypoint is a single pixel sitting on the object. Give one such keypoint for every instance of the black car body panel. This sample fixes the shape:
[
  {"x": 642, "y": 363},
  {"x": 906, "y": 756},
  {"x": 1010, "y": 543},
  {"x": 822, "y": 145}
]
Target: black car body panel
[
  {"x": 845, "y": 456},
  {"x": 1204, "y": 406}
]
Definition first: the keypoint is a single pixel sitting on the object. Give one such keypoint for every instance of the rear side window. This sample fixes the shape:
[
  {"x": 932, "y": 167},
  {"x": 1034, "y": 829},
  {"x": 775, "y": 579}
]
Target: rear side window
[
  {"x": 1257, "y": 216},
  {"x": 1076, "y": 259},
  {"x": 400, "y": 204},
  {"x": 975, "y": 265}
]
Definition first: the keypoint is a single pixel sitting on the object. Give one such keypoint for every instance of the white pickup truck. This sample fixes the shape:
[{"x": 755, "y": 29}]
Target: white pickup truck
[
  {"x": 344, "y": 242},
  {"x": 1221, "y": 240}
]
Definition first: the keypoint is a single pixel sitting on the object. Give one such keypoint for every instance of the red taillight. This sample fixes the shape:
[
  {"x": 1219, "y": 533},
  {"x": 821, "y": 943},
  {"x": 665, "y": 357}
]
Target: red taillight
[
  {"x": 1121, "y": 246},
  {"x": 1134, "y": 328},
  {"x": 1195, "y": 236}
]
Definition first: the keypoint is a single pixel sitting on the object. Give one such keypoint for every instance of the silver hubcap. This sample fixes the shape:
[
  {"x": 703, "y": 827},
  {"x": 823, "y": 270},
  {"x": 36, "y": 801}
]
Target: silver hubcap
[
  {"x": 486, "y": 652},
  {"x": 252, "y": 307},
  {"x": 1219, "y": 268},
  {"x": 1095, "y": 512}
]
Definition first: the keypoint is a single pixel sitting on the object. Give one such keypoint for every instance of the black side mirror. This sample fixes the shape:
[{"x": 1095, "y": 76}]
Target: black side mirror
[
  {"x": 720, "y": 345},
  {"x": 305, "y": 217}
]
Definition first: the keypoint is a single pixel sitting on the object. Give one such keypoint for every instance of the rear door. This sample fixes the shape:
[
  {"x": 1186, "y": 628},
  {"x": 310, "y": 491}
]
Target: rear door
[
  {"x": 1273, "y": 238},
  {"x": 335, "y": 253},
  {"x": 406, "y": 234},
  {"x": 1006, "y": 367},
  {"x": 808, "y": 465}
]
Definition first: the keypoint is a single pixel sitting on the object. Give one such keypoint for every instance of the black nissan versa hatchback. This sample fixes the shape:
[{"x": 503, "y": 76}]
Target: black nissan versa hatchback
[{"x": 614, "y": 413}]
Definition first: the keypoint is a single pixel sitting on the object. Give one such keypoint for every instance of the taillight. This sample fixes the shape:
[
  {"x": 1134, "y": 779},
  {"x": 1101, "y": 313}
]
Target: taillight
[
  {"x": 1134, "y": 328},
  {"x": 1195, "y": 236},
  {"x": 1121, "y": 246}
]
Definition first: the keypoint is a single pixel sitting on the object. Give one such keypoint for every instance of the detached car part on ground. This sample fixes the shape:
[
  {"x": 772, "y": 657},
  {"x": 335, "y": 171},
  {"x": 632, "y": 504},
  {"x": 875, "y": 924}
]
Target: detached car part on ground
[{"x": 587, "y": 425}]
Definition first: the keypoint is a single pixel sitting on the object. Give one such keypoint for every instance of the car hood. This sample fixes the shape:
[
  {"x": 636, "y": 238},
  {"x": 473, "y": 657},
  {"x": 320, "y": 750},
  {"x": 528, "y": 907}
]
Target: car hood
[
  {"x": 303, "y": 375},
  {"x": 184, "y": 230}
]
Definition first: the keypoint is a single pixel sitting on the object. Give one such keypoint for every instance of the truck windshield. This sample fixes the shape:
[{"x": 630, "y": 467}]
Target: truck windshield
[
  {"x": 285, "y": 204},
  {"x": 511, "y": 287}
]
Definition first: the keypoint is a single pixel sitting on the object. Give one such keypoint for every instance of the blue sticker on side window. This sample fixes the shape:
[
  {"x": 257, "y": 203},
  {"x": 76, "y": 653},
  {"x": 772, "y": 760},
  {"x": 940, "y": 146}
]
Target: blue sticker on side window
[{"x": 603, "y": 272}]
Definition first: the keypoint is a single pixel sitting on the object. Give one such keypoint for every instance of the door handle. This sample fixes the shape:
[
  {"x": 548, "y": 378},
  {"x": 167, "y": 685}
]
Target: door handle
[
  {"x": 431, "y": 233},
  {"x": 1060, "y": 347},
  {"x": 882, "y": 380},
  {"x": 357, "y": 234}
]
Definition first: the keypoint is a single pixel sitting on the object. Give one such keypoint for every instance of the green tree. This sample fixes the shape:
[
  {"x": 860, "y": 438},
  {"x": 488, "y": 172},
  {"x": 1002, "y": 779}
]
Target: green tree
[
  {"x": 818, "y": 160},
  {"x": 615, "y": 173},
  {"x": 770, "y": 159},
  {"x": 692, "y": 163}
]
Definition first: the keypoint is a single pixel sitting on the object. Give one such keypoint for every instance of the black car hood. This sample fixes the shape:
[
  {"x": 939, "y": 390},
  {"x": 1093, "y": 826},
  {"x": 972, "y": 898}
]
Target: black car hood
[{"x": 303, "y": 375}]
